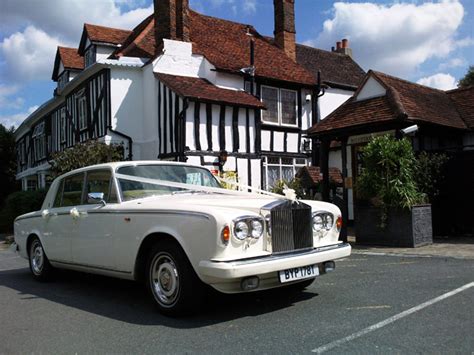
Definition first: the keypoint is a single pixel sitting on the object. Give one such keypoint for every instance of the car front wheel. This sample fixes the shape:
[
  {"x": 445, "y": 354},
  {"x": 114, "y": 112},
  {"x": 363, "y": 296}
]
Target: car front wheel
[
  {"x": 39, "y": 263},
  {"x": 172, "y": 280}
]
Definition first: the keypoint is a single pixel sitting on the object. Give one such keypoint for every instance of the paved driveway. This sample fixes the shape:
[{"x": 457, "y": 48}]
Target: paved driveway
[{"x": 370, "y": 304}]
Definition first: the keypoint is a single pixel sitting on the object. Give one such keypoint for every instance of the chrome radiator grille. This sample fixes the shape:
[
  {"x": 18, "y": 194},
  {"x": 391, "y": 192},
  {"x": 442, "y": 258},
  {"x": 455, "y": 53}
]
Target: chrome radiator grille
[{"x": 291, "y": 227}]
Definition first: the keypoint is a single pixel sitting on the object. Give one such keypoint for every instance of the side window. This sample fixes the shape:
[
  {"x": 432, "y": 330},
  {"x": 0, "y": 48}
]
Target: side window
[
  {"x": 72, "y": 191},
  {"x": 101, "y": 181},
  {"x": 59, "y": 195}
]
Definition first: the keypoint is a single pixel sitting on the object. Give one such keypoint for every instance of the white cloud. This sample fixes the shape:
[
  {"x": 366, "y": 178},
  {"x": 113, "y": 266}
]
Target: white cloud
[
  {"x": 7, "y": 98},
  {"x": 395, "y": 38},
  {"x": 453, "y": 63},
  {"x": 440, "y": 81},
  {"x": 16, "y": 119},
  {"x": 29, "y": 55}
]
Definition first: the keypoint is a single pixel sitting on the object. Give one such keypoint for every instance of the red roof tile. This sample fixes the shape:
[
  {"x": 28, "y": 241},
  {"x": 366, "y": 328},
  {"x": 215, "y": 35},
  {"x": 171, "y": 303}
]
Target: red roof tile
[
  {"x": 69, "y": 58},
  {"x": 202, "y": 90},
  {"x": 225, "y": 44},
  {"x": 463, "y": 99},
  {"x": 313, "y": 174},
  {"x": 102, "y": 34},
  {"x": 403, "y": 101}
]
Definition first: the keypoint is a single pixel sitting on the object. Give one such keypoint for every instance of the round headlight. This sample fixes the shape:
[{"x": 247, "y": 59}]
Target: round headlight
[
  {"x": 241, "y": 230},
  {"x": 329, "y": 221},
  {"x": 257, "y": 228},
  {"x": 318, "y": 223}
]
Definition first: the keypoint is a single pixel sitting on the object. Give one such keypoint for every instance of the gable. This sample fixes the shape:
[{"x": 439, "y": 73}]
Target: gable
[{"x": 371, "y": 88}]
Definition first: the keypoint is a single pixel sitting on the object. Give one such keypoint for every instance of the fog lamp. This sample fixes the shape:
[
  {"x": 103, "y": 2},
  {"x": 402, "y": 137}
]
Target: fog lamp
[
  {"x": 249, "y": 283},
  {"x": 329, "y": 266}
]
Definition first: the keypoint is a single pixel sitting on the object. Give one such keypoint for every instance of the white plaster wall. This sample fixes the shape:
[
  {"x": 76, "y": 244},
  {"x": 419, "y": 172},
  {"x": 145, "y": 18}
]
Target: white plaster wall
[
  {"x": 103, "y": 52},
  {"x": 61, "y": 68},
  {"x": 190, "y": 141},
  {"x": 127, "y": 106},
  {"x": 332, "y": 99},
  {"x": 228, "y": 129},
  {"x": 265, "y": 140},
  {"x": 292, "y": 142},
  {"x": 278, "y": 141},
  {"x": 203, "y": 127},
  {"x": 178, "y": 59},
  {"x": 335, "y": 159},
  {"x": 371, "y": 88},
  {"x": 305, "y": 110},
  {"x": 252, "y": 130},
  {"x": 256, "y": 173},
  {"x": 150, "y": 114},
  {"x": 215, "y": 127},
  {"x": 196, "y": 161},
  {"x": 242, "y": 131},
  {"x": 228, "y": 81}
]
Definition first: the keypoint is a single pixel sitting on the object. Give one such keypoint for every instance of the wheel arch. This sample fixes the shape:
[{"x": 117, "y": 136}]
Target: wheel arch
[
  {"x": 144, "y": 250},
  {"x": 29, "y": 240}
]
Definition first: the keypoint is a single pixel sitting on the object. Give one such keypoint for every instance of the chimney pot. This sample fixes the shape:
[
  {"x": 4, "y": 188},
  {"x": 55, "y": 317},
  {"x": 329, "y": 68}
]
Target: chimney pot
[
  {"x": 345, "y": 43},
  {"x": 338, "y": 45},
  {"x": 285, "y": 26}
]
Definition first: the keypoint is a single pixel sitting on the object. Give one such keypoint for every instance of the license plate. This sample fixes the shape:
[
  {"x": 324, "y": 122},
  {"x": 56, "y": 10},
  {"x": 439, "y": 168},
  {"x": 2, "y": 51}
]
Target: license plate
[{"x": 298, "y": 273}]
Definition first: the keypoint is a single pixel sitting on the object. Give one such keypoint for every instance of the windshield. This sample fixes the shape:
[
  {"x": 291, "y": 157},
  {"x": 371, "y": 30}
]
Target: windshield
[{"x": 173, "y": 173}]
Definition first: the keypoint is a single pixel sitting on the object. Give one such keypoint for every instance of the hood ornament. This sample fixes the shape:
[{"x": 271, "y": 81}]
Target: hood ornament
[{"x": 290, "y": 194}]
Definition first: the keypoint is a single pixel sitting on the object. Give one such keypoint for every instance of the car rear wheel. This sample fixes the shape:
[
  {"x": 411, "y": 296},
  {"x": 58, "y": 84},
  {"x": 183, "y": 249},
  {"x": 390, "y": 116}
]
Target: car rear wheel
[
  {"x": 39, "y": 263},
  {"x": 172, "y": 280}
]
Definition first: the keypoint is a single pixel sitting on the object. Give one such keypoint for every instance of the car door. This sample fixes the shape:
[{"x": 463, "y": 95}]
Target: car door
[
  {"x": 93, "y": 244},
  {"x": 59, "y": 222}
]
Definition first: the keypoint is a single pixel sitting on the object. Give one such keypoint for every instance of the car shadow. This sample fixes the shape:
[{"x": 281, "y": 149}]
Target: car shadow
[{"x": 129, "y": 302}]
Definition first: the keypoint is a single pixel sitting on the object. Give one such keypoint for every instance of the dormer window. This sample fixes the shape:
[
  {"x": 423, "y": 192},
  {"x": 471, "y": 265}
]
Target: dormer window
[
  {"x": 90, "y": 56},
  {"x": 63, "y": 79},
  {"x": 281, "y": 106}
]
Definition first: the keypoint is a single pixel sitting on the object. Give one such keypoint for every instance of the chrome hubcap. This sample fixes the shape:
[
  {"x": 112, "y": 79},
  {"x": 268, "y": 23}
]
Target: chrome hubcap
[
  {"x": 165, "y": 279},
  {"x": 37, "y": 257}
]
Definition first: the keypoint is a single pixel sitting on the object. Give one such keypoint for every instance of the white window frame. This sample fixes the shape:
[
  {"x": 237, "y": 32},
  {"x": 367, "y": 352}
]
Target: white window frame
[
  {"x": 279, "y": 109},
  {"x": 39, "y": 141},
  {"x": 90, "y": 56},
  {"x": 62, "y": 125},
  {"x": 296, "y": 166}
]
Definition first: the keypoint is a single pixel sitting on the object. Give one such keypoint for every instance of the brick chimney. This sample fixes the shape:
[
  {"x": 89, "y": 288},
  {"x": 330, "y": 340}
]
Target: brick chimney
[
  {"x": 343, "y": 47},
  {"x": 285, "y": 26},
  {"x": 171, "y": 20}
]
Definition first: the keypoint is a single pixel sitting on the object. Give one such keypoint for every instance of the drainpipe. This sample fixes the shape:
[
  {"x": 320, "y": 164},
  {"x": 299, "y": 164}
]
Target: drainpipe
[
  {"x": 130, "y": 141},
  {"x": 317, "y": 93}
]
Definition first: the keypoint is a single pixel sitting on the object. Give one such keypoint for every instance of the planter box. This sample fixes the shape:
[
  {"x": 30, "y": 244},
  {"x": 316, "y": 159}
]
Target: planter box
[{"x": 404, "y": 228}]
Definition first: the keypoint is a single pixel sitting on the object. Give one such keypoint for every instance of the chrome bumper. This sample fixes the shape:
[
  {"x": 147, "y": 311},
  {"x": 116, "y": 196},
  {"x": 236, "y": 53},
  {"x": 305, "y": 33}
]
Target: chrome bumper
[{"x": 272, "y": 263}]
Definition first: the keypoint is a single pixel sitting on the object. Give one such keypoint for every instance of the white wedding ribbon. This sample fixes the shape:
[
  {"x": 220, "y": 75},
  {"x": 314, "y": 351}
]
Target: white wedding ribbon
[{"x": 204, "y": 188}]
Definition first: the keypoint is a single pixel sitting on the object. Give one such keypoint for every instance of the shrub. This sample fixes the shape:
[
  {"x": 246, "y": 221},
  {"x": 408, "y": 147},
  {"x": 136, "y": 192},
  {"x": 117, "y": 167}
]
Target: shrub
[
  {"x": 429, "y": 173},
  {"x": 18, "y": 203},
  {"x": 294, "y": 184},
  {"x": 85, "y": 154}
]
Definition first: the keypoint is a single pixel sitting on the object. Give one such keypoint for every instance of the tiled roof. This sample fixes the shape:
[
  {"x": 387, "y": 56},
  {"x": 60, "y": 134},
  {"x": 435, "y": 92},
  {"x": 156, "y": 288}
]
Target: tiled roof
[
  {"x": 102, "y": 34},
  {"x": 225, "y": 44},
  {"x": 337, "y": 69},
  {"x": 422, "y": 103},
  {"x": 463, "y": 99},
  {"x": 313, "y": 173},
  {"x": 403, "y": 101},
  {"x": 69, "y": 58},
  {"x": 202, "y": 90}
]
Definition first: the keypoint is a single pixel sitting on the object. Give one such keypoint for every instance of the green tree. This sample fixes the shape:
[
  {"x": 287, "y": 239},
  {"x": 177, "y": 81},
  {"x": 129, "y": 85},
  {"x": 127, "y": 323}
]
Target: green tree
[
  {"x": 8, "y": 184},
  {"x": 468, "y": 79},
  {"x": 85, "y": 154}
]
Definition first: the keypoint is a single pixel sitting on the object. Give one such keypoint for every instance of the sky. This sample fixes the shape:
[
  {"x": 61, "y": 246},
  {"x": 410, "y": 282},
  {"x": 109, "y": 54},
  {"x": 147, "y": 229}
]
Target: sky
[{"x": 429, "y": 42}]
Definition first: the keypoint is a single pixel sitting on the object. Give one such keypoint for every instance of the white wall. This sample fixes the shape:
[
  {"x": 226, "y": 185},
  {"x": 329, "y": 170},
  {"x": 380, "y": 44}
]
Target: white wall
[
  {"x": 103, "y": 52},
  {"x": 332, "y": 99},
  {"x": 150, "y": 114},
  {"x": 371, "y": 88}
]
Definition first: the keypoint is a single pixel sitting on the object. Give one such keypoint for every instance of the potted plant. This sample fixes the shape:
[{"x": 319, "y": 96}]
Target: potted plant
[{"x": 392, "y": 210}]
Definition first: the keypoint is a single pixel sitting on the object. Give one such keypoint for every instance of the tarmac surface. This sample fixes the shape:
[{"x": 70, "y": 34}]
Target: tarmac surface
[{"x": 369, "y": 304}]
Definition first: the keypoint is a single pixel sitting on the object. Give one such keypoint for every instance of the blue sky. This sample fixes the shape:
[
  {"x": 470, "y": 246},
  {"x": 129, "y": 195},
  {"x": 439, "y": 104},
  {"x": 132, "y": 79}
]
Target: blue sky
[{"x": 430, "y": 42}]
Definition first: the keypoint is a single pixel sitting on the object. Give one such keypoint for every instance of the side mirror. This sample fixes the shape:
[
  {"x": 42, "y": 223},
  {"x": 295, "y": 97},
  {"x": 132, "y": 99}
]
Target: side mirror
[{"x": 96, "y": 197}]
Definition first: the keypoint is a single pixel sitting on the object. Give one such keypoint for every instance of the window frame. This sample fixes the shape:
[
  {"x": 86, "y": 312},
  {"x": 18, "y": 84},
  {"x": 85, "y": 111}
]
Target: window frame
[
  {"x": 63, "y": 79},
  {"x": 63, "y": 184},
  {"x": 280, "y": 166},
  {"x": 112, "y": 186},
  {"x": 80, "y": 98},
  {"x": 279, "y": 107},
  {"x": 62, "y": 125},
  {"x": 90, "y": 56}
]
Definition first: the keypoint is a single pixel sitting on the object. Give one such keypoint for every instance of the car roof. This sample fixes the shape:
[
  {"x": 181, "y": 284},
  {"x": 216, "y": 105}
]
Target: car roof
[{"x": 116, "y": 165}]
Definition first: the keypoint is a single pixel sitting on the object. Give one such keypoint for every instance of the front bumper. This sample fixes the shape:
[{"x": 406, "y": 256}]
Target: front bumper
[{"x": 236, "y": 269}]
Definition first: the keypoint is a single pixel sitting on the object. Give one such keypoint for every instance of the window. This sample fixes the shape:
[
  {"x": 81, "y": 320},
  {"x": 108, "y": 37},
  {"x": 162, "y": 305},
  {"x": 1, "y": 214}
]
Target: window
[
  {"x": 281, "y": 106},
  {"x": 72, "y": 191},
  {"x": 62, "y": 123},
  {"x": 39, "y": 141},
  {"x": 31, "y": 184},
  {"x": 63, "y": 79},
  {"x": 81, "y": 109},
  {"x": 90, "y": 56},
  {"x": 59, "y": 195},
  {"x": 101, "y": 181},
  {"x": 275, "y": 168}
]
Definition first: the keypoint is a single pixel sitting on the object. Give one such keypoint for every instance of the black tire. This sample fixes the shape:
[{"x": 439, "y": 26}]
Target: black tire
[
  {"x": 172, "y": 281},
  {"x": 39, "y": 263}
]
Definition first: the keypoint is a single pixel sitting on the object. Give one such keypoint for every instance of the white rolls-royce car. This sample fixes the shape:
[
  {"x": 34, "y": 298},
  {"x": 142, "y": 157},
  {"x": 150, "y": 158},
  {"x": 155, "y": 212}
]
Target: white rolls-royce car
[{"x": 173, "y": 226}]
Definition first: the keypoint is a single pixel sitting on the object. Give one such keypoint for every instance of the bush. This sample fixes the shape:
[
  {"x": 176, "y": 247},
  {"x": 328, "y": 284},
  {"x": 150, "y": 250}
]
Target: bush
[
  {"x": 85, "y": 154},
  {"x": 429, "y": 173},
  {"x": 294, "y": 184},
  {"x": 18, "y": 203}
]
